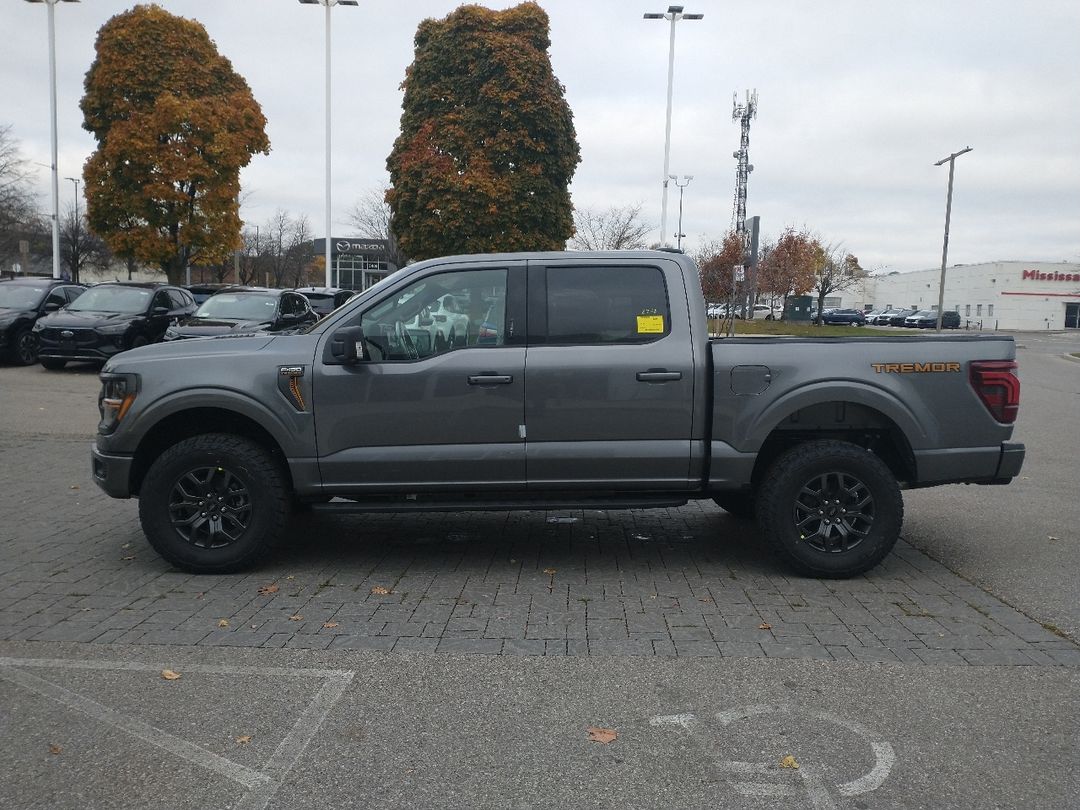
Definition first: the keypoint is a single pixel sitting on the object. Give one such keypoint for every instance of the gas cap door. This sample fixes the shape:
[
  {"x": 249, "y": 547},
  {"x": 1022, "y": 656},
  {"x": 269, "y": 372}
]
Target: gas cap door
[{"x": 750, "y": 379}]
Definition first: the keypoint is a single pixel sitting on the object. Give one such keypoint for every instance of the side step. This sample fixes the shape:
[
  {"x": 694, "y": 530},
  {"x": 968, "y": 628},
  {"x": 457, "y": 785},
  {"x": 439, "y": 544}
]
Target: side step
[{"x": 521, "y": 505}]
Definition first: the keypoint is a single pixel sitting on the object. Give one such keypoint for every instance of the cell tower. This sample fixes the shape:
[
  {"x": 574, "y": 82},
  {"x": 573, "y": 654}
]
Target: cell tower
[{"x": 743, "y": 113}]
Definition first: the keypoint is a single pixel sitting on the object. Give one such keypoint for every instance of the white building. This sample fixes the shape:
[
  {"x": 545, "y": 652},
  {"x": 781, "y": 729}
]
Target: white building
[{"x": 996, "y": 295}]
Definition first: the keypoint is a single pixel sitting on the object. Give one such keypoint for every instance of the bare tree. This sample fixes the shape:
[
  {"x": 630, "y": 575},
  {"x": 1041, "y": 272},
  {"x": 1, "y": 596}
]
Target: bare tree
[
  {"x": 836, "y": 271},
  {"x": 617, "y": 228},
  {"x": 371, "y": 217},
  {"x": 19, "y": 215},
  {"x": 299, "y": 255},
  {"x": 79, "y": 248}
]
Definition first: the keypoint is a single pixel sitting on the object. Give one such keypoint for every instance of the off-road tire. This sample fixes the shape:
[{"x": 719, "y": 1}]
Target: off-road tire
[
  {"x": 830, "y": 509},
  {"x": 242, "y": 488}
]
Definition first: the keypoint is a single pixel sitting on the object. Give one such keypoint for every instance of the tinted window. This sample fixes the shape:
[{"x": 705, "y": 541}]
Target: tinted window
[
  {"x": 595, "y": 305},
  {"x": 112, "y": 299},
  {"x": 73, "y": 292}
]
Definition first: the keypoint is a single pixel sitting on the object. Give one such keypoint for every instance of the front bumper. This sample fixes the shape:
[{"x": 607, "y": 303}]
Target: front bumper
[{"x": 111, "y": 472}]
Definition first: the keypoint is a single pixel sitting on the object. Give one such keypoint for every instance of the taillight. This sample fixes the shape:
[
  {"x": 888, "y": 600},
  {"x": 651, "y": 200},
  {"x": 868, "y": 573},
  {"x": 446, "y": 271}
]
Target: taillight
[{"x": 998, "y": 387}]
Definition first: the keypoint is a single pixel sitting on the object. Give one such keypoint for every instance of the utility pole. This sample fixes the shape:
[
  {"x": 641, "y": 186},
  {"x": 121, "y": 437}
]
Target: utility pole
[
  {"x": 948, "y": 215},
  {"x": 681, "y": 186}
]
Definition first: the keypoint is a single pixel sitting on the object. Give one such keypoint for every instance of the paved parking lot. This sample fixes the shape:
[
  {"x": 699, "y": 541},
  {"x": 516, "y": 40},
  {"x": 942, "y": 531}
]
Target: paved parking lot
[{"x": 678, "y": 582}]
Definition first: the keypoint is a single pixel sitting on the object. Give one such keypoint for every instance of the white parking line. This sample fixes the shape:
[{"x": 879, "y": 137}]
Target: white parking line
[{"x": 262, "y": 783}]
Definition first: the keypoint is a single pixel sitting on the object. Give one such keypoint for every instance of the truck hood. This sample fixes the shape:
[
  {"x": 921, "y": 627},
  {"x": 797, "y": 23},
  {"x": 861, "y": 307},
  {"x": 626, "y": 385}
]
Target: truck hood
[{"x": 200, "y": 351}]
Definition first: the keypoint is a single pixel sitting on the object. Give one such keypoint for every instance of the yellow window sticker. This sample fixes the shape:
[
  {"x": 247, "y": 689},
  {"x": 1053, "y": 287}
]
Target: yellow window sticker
[{"x": 650, "y": 324}]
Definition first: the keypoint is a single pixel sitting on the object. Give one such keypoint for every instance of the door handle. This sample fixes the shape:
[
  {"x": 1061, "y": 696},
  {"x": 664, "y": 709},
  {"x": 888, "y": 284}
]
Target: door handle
[
  {"x": 659, "y": 375},
  {"x": 490, "y": 378}
]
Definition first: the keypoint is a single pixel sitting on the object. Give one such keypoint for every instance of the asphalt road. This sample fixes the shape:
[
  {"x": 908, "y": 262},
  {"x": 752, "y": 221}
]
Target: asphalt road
[{"x": 87, "y": 725}]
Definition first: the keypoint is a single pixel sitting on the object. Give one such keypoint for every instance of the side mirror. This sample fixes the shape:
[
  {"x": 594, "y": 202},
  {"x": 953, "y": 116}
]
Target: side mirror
[
  {"x": 160, "y": 311},
  {"x": 52, "y": 306},
  {"x": 347, "y": 345}
]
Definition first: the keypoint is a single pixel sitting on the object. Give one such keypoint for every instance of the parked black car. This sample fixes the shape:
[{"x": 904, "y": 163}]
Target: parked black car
[
  {"x": 244, "y": 309},
  {"x": 898, "y": 318},
  {"x": 928, "y": 320},
  {"x": 851, "y": 317},
  {"x": 200, "y": 292},
  {"x": 325, "y": 300},
  {"x": 22, "y": 302},
  {"x": 108, "y": 319}
]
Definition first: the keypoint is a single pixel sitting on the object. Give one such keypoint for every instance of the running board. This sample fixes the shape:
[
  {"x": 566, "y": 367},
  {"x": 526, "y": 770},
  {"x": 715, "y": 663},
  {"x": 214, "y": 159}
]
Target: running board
[{"x": 368, "y": 507}]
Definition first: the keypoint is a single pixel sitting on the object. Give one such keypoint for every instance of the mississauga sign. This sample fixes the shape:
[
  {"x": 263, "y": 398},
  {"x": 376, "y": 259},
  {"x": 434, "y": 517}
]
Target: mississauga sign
[{"x": 1038, "y": 275}]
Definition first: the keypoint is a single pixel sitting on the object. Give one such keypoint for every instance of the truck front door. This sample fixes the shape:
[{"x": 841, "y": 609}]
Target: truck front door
[
  {"x": 609, "y": 376},
  {"x": 439, "y": 403}
]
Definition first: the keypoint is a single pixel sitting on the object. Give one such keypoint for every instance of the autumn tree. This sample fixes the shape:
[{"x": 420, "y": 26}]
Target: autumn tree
[
  {"x": 487, "y": 146},
  {"x": 174, "y": 125},
  {"x": 716, "y": 261},
  {"x": 789, "y": 266},
  {"x": 616, "y": 228}
]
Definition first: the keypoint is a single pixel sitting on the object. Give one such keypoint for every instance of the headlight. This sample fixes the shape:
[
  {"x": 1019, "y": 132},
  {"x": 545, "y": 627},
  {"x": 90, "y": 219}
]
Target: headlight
[
  {"x": 114, "y": 329},
  {"x": 39, "y": 326},
  {"x": 118, "y": 392},
  {"x": 172, "y": 333}
]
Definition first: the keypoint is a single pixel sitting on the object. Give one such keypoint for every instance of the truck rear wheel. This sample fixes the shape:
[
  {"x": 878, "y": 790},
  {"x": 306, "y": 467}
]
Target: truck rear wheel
[
  {"x": 213, "y": 504},
  {"x": 830, "y": 509}
]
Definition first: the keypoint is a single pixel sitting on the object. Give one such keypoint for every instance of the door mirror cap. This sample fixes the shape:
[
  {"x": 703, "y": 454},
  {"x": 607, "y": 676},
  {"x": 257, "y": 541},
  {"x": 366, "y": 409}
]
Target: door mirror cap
[{"x": 347, "y": 345}]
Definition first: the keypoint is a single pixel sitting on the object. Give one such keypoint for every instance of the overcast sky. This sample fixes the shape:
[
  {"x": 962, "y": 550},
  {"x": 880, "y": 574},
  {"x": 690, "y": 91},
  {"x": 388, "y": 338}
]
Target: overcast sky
[{"x": 857, "y": 100}]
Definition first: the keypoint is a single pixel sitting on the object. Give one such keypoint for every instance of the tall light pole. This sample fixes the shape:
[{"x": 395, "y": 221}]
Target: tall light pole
[
  {"x": 75, "y": 255},
  {"x": 328, "y": 4},
  {"x": 686, "y": 181},
  {"x": 674, "y": 14},
  {"x": 52, "y": 119},
  {"x": 948, "y": 215}
]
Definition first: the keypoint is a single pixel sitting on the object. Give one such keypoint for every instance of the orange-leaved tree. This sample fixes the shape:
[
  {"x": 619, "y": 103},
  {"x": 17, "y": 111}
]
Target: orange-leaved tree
[
  {"x": 174, "y": 125},
  {"x": 716, "y": 261},
  {"x": 487, "y": 146},
  {"x": 791, "y": 264}
]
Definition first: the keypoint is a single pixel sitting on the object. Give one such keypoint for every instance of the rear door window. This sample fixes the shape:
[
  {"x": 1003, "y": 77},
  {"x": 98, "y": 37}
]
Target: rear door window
[{"x": 606, "y": 305}]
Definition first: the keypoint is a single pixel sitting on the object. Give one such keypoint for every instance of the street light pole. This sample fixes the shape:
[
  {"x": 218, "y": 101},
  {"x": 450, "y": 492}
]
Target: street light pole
[
  {"x": 948, "y": 215},
  {"x": 328, "y": 4},
  {"x": 687, "y": 178},
  {"x": 52, "y": 120},
  {"x": 674, "y": 14},
  {"x": 75, "y": 255}
]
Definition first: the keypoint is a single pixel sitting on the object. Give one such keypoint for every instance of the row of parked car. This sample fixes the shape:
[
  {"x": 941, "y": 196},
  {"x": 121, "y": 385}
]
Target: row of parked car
[
  {"x": 52, "y": 321},
  {"x": 914, "y": 318}
]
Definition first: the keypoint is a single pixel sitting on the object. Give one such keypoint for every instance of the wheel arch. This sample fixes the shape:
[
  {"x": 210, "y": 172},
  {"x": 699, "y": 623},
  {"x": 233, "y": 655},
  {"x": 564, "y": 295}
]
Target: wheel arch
[
  {"x": 195, "y": 421},
  {"x": 856, "y": 420}
]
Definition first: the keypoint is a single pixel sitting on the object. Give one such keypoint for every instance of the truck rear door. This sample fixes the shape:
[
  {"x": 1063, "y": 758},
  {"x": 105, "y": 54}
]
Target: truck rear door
[{"x": 609, "y": 375}]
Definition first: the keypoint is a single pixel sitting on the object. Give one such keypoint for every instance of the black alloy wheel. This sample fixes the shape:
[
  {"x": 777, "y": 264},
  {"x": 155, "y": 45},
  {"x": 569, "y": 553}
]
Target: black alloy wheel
[
  {"x": 25, "y": 347},
  {"x": 214, "y": 504},
  {"x": 830, "y": 508},
  {"x": 210, "y": 507}
]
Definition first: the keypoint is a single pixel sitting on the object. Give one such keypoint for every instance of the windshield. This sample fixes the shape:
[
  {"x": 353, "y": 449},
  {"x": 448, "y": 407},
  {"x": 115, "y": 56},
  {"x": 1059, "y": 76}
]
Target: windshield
[
  {"x": 239, "y": 306},
  {"x": 18, "y": 296},
  {"x": 128, "y": 300}
]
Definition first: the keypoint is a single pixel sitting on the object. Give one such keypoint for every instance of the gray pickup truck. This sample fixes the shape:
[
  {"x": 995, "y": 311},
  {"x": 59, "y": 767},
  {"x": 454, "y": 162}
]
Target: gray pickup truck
[{"x": 544, "y": 381}]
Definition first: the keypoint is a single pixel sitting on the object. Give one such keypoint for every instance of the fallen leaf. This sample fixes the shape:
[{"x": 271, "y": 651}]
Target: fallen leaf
[
  {"x": 789, "y": 762},
  {"x": 223, "y": 623},
  {"x": 128, "y": 557},
  {"x": 1052, "y": 538},
  {"x": 254, "y": 627},
  {"x": 296, "y": 618},
  {"x": 290, "y": 577},
  {"x": 169, "y": 675},
  {"x": 705, "y": 599},
  {"x": 74, "y": 486},
  {"x": 330, "y": 625},
  {"x": 380, "y": 590},
  {"x": 601, "y": 735},
  {"x": 55, "y": 749},
  {"x": 266, "y": 590},
  {"x": 550, "y": 570},
  {"x": 764, "y": 626},
  {"x": 243, "y": 740}
]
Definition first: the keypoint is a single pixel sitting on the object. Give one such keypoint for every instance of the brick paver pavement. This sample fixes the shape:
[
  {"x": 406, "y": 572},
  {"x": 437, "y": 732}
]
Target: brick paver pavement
[{"x": 74, "y": 566}]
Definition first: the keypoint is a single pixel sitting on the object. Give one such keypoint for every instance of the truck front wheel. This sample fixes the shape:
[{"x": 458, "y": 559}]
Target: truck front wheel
[
  {"x": 213, "y": 504},
  {"x": 830, "y": 508}
]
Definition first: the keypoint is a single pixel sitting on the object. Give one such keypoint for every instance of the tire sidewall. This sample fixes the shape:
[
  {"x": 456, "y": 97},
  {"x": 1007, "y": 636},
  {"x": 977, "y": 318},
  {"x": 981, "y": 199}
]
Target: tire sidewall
[
  {"x": 24, "y": 335},
  {"x": 251, "y": 465},
  {"x": 792, "y": 471}
]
